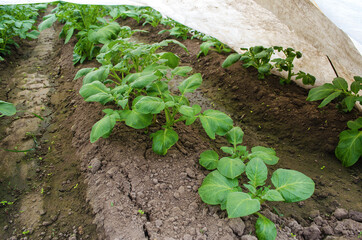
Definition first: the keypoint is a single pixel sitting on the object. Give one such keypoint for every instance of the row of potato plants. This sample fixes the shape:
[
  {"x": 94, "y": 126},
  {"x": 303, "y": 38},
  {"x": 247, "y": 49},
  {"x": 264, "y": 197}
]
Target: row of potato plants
[
  {"x": 16, "y": 21},
  {"x": 349, "y": 148},
  {"x": 133, "y": 80}
]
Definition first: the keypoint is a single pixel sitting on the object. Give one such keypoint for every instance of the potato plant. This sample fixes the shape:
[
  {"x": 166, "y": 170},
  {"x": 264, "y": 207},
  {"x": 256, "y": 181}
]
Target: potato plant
[
  {"x": 221, "y": 186},
  {"x": 212, "y": 44},
  {"x": 17, "y": 21}
]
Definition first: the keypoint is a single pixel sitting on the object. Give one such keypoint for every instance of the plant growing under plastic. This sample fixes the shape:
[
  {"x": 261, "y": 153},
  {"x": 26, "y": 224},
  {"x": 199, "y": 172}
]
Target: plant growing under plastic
[{"x": 221, "y": 186}]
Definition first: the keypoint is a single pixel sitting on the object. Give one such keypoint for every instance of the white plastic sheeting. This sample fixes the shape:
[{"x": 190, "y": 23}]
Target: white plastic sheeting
[{"x": 244, "y": 23}]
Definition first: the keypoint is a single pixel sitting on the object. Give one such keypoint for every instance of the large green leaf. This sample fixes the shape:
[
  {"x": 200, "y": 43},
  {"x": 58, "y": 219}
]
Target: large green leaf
[
  {"x": 82, "y": 72},
  {"x": 181, "y": 71},
  {"x": 215, "y": 122},
  {"x": 231, "y": 59},
  {"x": 356, "y": 124},
  {"x": 349, "y": 148},
  {"x": 231, "y": 167},
  {"x": 239, "y": 204},
  {"x": 268, "y": 155},
  {"x": 172, "y": 59},
  {"x": 69, "y": 35},
  {"x": 136, "y": 119},
  {"x": 190, "y": 84},
  {"x": 340, "y": 83},
  {"x": 273, "y": 195},
  {"x": 294, "y": 186},
  {"x": 104, "y": 127},
  {"x": 105, "y": 34},
  {"x": 209, "y": 159},
  {"x": 48, "y": 22},
  {"x": 321, "y": 92},
  {"x": 143, "y": 81},
  {"x": 163, "y": 140},
  {"x": 7, "y": 109},
  {"x": 100, "y": 74},
  {"x": 257, "y": 172},
  {"x": 235, "y": 136},
  {"x": 96, "y": 92},
  {"x": 215, "y": 188},
  {"x": 330, "y": 98},
  {"x": 265, "y": 229},
  {"x": 148, "y": 105},
  {"x": 350, "y": 101}
]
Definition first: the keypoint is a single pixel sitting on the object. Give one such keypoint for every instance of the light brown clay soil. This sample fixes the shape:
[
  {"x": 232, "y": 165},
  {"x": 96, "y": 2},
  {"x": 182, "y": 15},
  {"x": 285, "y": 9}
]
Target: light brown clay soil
[{"x": 136, "y": 194}]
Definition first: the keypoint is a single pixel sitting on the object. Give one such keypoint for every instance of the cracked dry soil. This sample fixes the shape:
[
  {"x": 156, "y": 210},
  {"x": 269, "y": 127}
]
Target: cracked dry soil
[{"x": 117, "y": 188}]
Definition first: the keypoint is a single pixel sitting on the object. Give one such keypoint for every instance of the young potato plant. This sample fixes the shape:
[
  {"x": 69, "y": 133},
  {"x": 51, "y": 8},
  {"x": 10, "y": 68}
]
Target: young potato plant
[
  {"x": 338, "y": 90},
  {"x": 177, "y": 29},
  {"x": 142, "y": 96},
  {"x": 258, "y": 57},
  {"x": 286, "y": 64},
  {"x": 17, "y": 21},
  {"x": 349, "y": 148},
  {"x": 87, "y": 23},
  {"x": 213, "y": 44},
  {"x": 221, "y": 186}
]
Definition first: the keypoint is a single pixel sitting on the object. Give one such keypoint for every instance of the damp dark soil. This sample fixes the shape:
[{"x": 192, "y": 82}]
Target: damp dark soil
[{"x": 117, "y": 188}]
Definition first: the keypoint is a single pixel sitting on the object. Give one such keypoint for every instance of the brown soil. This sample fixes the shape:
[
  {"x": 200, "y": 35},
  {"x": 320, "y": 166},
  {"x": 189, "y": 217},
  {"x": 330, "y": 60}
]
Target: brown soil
[{"x": 136, "y": 194}]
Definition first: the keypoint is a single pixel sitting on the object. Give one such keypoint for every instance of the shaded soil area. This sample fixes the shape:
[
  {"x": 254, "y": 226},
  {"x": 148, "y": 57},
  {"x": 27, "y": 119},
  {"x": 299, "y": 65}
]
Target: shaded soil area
[{"x": 136, "y": 194}]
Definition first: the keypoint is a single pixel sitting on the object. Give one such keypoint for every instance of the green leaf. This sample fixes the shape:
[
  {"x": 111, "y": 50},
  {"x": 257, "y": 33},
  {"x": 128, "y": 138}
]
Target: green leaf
[
  {"x": 228, "y": 150},
  {"x": 82, "y": 72},
  {"x": 148, "y": 104},
  {"x": 103, "y": 127},
  {"x": 105, "y": 34},
  {"x": 215, "y": 188},
  {"x": 358, "y": 79},
  {"x": 231, "y": 167},
  {"x": 100, "y": 74},
  {"x": 33, "y": 34},
  {"x": 143, "y": 81},
  {"x": 239, "y": 204},
  {"x": 349, "y": 148},
  {"x": 340, "y": 83},
  {"x": 215, "y": 122},
  {"x": 69, "y": 35},
  {"x": 209, "y": 159},
  {"x": 163, "y": 140},
  {"x": 7, "y": 109},
  {"x": 356, "y": 124},
  {"x": 265, "y": 229},
  {"x": 355, "y": 87},
  {"x": 96, "y": 92},
  {"x": 235, "y": 136},
  {"x": 268, "y": 155},
  {"x": 172, "y": 59},
  {"x": 190, "y": 84},
  {"x": 50, "y": 19},
  {"x": 265, "y": 68},
  {"x": 181, "y": 71},
  {"x": 321, "y": 92},
  {"x": 231, "y": 59},
  {"x": 157, "y": 88},
  {"x": 190, "y": 111},
  {"x": 329, "y": 98},
  {"x": 136, "y": 119},
  {"x": 350, "y": 101},
  {"x": 294, "y": 186},
  {"x": 257, "y": 172},
  {"x": 273, "y": 195}
]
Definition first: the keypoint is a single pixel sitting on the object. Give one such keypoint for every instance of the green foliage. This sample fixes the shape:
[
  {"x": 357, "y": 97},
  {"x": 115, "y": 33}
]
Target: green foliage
[
  {"x": 286, "y": 64},
  {"x": 7, "y": 109},
  {"x": 338, "y": 90},
  {"x": 349, "y": 148},
  {"x": 213, "y": 44},
  {"x": 176, "y": 29},
  {"x": 222, "y": 185},
  {"x": 17, "y": 21}
]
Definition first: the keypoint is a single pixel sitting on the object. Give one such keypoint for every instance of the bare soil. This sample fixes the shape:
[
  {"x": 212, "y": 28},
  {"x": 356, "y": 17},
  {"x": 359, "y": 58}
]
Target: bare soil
[{"x": 117, "y": 188}]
